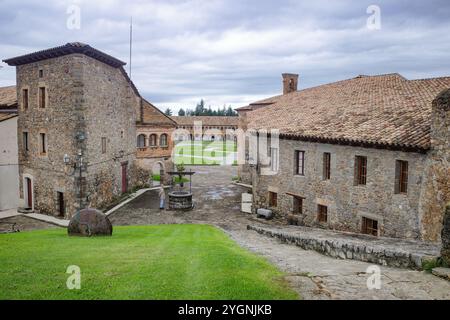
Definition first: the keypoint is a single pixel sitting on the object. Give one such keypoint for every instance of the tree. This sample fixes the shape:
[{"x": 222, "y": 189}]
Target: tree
[
  {"x": 181, "y": 113},
  {"x": 168, "y": 112}
]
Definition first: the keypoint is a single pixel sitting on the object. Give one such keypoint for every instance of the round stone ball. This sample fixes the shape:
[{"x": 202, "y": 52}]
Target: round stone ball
[{"x": 90, "y": 223}]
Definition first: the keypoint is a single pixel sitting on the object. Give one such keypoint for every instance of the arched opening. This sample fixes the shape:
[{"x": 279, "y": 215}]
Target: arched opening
[
  {"x": 153, "y": 140},
  {"x": 158, "y": 174},
  {"x": 163, "y": 141},
  {"x": 141, "y": 141}
]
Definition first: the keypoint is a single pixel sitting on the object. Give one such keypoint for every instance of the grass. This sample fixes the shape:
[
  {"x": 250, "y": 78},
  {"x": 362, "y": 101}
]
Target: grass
[
  {"x": 205, "y": 152},
  {"x": 152, "y": 262},
  {"x": 156, "y": 177}
]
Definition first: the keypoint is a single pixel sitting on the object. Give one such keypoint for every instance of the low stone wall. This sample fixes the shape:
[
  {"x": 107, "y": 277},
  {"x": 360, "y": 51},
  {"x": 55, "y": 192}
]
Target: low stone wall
[
  {"x": 341, "y": 249},
  {"x": 445, "y": 253}
]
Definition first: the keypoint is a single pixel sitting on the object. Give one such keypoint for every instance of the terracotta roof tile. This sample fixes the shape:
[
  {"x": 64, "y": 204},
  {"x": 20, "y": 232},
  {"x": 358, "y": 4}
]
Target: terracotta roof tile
[
  {"x": 8, "y": 98},
  {"x": 386, "y": 110}
]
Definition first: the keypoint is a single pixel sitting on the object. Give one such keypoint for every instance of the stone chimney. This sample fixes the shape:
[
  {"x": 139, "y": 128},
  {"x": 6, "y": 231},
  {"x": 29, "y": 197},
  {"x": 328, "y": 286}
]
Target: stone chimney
[{"x": 290, "y": 82}]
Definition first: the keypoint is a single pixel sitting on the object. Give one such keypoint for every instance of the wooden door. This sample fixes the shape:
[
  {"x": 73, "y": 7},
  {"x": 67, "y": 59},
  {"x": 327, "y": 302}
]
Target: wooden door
[{"x": 29, "y": 193}]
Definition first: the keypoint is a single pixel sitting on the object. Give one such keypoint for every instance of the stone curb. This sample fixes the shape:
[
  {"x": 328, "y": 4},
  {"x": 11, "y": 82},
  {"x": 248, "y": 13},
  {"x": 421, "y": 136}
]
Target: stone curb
[{"x": 347, "y": 250}]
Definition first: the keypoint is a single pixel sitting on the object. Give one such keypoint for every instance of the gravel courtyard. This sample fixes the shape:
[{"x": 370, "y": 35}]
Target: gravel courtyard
[{"x": 313, "y": 275}]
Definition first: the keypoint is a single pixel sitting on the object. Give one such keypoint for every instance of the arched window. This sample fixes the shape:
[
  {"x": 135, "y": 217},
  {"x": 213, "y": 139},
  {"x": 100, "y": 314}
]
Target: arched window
[
  {"x": 152, "y": 140},
  {"x": 141, "y": 141},
  {"x": 163, "y": 140}
]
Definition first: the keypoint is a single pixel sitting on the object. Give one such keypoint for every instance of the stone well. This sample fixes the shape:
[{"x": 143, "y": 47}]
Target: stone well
[{"x": 180, "y": 200}]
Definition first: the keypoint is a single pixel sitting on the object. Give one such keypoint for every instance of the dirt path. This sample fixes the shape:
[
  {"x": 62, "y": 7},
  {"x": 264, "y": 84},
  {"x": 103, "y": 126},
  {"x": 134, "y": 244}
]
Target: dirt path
[{"x": 313, "y": 275}]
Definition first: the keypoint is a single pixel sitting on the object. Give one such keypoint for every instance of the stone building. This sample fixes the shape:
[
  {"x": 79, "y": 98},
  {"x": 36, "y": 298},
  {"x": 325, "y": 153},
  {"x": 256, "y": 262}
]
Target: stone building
[
  {"x": 154, "y": 140},
  {"x": 369, "y": 154},
  {"x": 77, "y": 129},
  {"x": 206, "y": 128},
  {"x": 9, "y": 167}
]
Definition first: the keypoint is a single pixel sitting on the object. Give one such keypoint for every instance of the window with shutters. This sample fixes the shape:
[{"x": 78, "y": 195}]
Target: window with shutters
[
  {"x": 326, "y": 166},
  {"x": 25, "y": 99},
  {"x": 322, "y": 215},
  {"x": 300, "y": 163},
  {"x": 369, "y": 227},
  {"x": 42, "y": 97},
  {"x": 273, "y": 199},
  {"x": 298, "y": 205},
  {"x": 360, "y": 170},
  {"x": 163, "y": 140},
  {"x": 401, "y": 176},
  {"x": 141, "y": 141},
  {"x": 152, "y": 140}
]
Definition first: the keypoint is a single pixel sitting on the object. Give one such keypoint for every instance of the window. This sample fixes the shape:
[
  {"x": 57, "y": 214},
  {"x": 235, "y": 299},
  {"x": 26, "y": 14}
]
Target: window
[
  {"x": 163, "y": 140},
  {"x": 41, "y": 73},
  {"x": 61, "y": 204},
  {"x": 103, "y": 145},
  {"x": 43, "y": 143},
  {"x": 42, "y": 98},
  {"x": 298, "y": 205},
  {"x": 122, "y": 134},
  {"x": 273, "y": 199},
  {"x": 153, "y": 140},
  {"x": 25, "y": 98},
  {"x": 401, "y": 176},
  {"x": 141, "y": 141},
  {"x": 300, "y": 163},
  {"x": 25, "y": 141},
  {"x": 274, "y": 159},
  {"x": 369, "y": 227},
  {"x": 360, "y": 170},
  {"x": 322, "y": 213},
  {"x": 326, "y": 166}
]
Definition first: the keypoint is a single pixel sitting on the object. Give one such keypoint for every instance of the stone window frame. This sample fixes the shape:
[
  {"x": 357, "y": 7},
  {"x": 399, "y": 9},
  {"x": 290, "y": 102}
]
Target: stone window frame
[
  {"x": 22, "y": 106},
  {"x": 43, "y": 144},
  {"x": 326, "y": 166},
  {"x": 26, "y": 146},
  {"x": 166, "y": 144},
  {"x": 297, "y": 172},
  {"x": 322, "y": 213},
  {"x": 272, "y": 199},
  {"x": 360, "y": 171},
  {"x": 401, "y": 177},
  {"x": 39, "y": 99},
  {"x": 369, "y": 230},
  {"x": 150, "y": 140},
  {"x": 141, "y": 135}
]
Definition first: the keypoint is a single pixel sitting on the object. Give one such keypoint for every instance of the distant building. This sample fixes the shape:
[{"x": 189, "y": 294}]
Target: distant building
[
  {"x": 207, "y": 128},
  {"x": 77, "y": 129},
  {"x": 369, "y": 155},
  {"x": 9, "y": 166}
]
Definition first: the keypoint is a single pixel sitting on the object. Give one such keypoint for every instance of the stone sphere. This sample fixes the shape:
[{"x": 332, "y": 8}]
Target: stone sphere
[{"x": 90, "y": 223}]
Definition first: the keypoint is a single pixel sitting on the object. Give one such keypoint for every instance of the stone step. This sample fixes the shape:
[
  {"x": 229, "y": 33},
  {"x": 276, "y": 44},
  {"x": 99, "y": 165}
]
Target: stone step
[{"x": 383, "y": 251}]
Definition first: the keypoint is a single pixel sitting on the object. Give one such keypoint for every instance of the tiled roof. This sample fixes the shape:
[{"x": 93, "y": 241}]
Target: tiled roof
[
  {"x": 207, "y": 121},
  {"x": 8, "y": 97},
  {"x": 69, "y": 48},
  {"x": 6, "y": 116},
  {"x": 385, "y": 111},
  {"x": 151, "y": 115}
]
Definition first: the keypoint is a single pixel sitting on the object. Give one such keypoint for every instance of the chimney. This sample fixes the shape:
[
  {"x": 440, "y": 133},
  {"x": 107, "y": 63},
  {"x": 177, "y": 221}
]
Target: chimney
[{"x": 290, "y": 82}]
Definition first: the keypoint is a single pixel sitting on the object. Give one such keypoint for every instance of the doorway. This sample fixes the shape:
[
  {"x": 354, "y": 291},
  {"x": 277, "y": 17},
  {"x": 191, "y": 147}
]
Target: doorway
[
  {"x": 29, "y": 193},
  {"x": 61, "y": 205},
  {"x": 124, "y": 178}
]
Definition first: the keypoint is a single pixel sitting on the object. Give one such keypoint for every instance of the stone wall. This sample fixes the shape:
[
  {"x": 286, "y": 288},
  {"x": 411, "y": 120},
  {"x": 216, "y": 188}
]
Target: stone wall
[
  {"x": 84, "y": 96},
  {"x": 62, "y": 78},
  {"x": 397, "y": 214},
  {"x": 436, "y": 184}
]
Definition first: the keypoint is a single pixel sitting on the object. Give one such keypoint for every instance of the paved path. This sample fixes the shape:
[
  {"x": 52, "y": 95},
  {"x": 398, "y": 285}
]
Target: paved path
[{"x": 313, "y": 275}]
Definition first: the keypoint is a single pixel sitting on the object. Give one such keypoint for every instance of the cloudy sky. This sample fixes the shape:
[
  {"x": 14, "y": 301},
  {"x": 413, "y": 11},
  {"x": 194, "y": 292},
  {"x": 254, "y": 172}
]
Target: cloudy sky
[{"x": 232, "y": 52}]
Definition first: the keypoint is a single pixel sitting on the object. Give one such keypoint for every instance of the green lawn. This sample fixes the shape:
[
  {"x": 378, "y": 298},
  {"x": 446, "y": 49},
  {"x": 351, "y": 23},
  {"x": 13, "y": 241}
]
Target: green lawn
[
  {"x": 205, "y": 153},
  {"x": 154, "y": 262}
]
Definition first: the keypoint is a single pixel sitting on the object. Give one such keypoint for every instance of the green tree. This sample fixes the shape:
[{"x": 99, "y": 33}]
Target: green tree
[
  {"x": 181, "y": 112},
  {"x": 168, "y": 112}
]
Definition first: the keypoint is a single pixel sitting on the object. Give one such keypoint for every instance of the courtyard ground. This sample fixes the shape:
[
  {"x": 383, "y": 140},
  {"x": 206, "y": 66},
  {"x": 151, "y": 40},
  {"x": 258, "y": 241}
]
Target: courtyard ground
[{"x": 311, "y": 274}]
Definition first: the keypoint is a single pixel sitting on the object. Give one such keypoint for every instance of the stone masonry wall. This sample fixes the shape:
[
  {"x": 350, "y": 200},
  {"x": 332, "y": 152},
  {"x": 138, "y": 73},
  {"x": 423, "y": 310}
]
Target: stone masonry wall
[
  {"x": 110, "y": 112},
  {"x": 397, "y": 214},
  {"x": 436, "y": 186},
  {"x": 62, "y": 78},
  {"x": 445, "y": 253}
]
